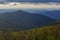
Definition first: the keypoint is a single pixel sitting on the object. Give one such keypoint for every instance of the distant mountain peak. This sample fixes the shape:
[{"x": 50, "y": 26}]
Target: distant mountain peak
[{"x": 21, "y": 20}]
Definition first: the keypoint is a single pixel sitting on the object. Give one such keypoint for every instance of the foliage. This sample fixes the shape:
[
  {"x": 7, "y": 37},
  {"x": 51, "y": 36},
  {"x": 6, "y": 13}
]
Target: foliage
[{"x": 51, "y": 32}]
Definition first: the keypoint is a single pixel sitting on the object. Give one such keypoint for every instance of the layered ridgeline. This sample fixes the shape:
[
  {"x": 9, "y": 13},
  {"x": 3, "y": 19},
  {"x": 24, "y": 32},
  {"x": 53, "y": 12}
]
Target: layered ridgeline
[
  {"x": 41, "y": 27},
  {"x": 50, "y": 32},
  {"x": 53, "y": 14},
  {"x": 20, "y": 20}
]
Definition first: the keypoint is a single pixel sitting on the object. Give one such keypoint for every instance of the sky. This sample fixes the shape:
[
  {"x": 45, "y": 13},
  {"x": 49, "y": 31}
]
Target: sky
[
  {"x": 15, "y": 4},
  {"x": 42, "y": 4},
  {"x": 31, "y": 0}
]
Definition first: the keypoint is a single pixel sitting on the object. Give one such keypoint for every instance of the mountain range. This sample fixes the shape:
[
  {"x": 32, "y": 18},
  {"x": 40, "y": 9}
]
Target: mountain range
[
  {"x": 21, "y": 20},
  {"x": 55, "y": 14}
]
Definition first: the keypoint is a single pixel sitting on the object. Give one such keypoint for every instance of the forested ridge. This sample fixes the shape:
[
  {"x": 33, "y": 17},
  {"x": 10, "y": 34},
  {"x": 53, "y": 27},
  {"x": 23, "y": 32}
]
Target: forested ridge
[{"x": 50, "y": 32}]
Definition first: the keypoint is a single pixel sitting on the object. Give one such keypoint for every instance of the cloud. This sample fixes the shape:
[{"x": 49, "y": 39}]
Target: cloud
[
  {"x": 13, "y": 3},
  {"x": 34, "y": 0},
  {"x": 17, "y": 5},
  {"x": 3, "y": 0}
]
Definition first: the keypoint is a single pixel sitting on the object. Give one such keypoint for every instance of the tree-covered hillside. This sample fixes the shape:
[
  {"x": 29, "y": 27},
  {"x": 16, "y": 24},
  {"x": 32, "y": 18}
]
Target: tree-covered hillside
[{"x": 50, "y": 32}]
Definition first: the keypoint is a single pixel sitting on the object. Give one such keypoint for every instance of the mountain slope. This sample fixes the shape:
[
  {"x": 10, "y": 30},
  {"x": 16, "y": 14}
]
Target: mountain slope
[
  {"x": 50, "y": 32},
  {"x": 23, "y": 20},
  {"x": 55, "y": 14}
]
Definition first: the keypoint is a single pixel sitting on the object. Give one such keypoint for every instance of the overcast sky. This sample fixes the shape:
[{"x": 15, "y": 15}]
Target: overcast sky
[
  {"x": 16, "y": 5},
  {"x": 13, "y": 6},
  {"x": 31, "y": 0}
]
